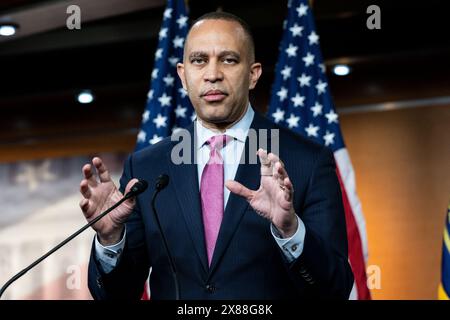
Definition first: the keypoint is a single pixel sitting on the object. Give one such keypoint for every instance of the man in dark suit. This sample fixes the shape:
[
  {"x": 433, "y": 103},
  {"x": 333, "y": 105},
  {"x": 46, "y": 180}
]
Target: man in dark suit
[{"x": 236, "y": 229}]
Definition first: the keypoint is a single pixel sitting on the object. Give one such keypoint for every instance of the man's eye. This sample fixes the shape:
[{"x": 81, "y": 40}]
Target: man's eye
[
  {"x": 197, "y": 61},
  {"x": 230, "y": 61}
]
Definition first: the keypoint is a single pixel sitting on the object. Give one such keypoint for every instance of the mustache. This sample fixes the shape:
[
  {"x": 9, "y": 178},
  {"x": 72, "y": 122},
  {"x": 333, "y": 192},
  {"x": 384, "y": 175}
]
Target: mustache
[{"x": 212, "y": 91}]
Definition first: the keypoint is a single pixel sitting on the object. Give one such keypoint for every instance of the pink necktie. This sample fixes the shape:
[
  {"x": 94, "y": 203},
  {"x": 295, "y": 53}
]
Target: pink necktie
[{"x": 211, "y": 191}]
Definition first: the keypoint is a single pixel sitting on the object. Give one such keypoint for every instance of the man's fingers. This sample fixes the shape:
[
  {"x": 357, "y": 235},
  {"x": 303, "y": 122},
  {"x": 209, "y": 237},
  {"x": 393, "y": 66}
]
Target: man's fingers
[
  {"x": 269, "y": 165},
  {"x": 102, "y": 170},
  {"x": 273, "y": 158},
  {"x": 84, "y": 189},
  {"x": 263, "y": 157},
  {"x": 266, "y": 167},
  {"x": 130, "y": 184},
  {"x": 239, "y": 189},
  {"x": 84, "y": 205},
  {"x": 288, "y": 189},
  {"x": 280, "y": 170},
  {"x": 89, "y": 175},
  {"x": 288, "y": 184}
]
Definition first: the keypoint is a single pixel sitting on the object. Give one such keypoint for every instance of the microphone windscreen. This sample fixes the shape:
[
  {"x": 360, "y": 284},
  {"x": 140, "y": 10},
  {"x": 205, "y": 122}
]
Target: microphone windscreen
[
  {"x": 139, "y": 187},
  {"x": 162, "y": 182}
]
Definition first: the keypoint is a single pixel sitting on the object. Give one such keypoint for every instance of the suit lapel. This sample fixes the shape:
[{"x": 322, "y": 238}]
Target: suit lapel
[
  {"x": 248, "y": 174},
  {"x": 185, "y": 184},
  {"x": 188, "y": 196}
]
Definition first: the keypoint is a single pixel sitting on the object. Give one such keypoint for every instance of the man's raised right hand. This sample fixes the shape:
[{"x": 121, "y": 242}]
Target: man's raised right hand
[{"x": 98, "y": 196}]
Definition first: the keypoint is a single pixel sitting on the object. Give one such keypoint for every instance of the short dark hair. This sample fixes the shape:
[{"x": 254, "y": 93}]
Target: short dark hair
[{"x": 221, "y": 15}]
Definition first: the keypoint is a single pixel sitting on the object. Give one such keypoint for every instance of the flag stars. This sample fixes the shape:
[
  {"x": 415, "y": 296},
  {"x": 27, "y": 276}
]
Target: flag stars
[
  {"x": 292, "y": 50},
  {"x": 142, "y": 136},
  {"x": 169, "y": 80},
  {"x": 311, "y": 130},
  {"x": 173, "y": 61},
  {"x": 320, "y": 86},
  {"x": 158, "y": 53},
  {"x": 302, "y": 10},
  {"x": 168, "y": 13},
  {"x": 164, "y": 100},
  {"x": 282, "y": 94},
  {"x": 313, "y": 38},
  {"x": 180, "y": 112},
  {"x": 182, "y": 92},
  {"x": 286, "y": 72},
  {"x": 331, "y": 117},
  {"x": 160, "y": 121},
  {"x": 304, "y": 80},
  {"x": 309, "y": 59},
  {"x": 298, "y": 100},
  {"x": 322, "y": 67},
  {"x": 145, "y": 116},
  {"x": 178, "y": 42},
  {"x": 329, "y": 138},
  {"x": 317, "y": 109},
  {"x": 163, "y": 33},
  {"x": 155, "y": 73},
  {"x": 293, "y": 121},
  {"x": 182, "y": 21},
  {"x": 296, "y": 30},
  {"x": 150, "y": 94},
  {"x": 278, "y": 115},
  {"x": 155, "y": 139}
]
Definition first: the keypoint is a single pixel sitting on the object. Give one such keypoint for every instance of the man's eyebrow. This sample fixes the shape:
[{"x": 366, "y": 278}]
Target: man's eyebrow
[
  {"x": 198, "y": 54},
  {"x": 203, "y": 54},
  {"x": 229, "y": 53}
]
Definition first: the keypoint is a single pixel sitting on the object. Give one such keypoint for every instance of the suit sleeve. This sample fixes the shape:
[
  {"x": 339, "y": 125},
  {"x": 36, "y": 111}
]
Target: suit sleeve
[
  {"x": 127, "y": 279},
  {"x": 323, "y": 266}
]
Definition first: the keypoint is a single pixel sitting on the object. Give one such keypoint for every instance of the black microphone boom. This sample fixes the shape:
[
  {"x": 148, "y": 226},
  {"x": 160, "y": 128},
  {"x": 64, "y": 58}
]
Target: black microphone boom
[
  {"x": 161, "y": 183},
  {"x": 136, "y": 189}
]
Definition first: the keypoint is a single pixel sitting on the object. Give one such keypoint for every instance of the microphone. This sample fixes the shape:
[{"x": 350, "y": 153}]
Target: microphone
[
  {"x": 136, "y": 189},
  {"x": 161, "y": 182}
]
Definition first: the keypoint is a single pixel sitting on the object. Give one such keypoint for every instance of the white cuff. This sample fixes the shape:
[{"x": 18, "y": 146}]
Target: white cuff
[
  {"x": 108, "y": 256},
  {"x": 292, "y": 247}
]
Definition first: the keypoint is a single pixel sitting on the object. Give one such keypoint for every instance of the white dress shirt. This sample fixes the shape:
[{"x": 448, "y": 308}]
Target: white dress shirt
[{"x": 231, "y": 153}]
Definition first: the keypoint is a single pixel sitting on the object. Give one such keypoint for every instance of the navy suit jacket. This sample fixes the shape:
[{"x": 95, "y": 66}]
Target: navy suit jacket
[{"x": 247, "y": 262}]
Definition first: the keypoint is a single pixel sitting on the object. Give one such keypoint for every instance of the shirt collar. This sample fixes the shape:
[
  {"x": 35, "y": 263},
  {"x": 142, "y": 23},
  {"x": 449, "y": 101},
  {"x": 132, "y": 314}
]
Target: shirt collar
[{"x": 238, "y": 131}]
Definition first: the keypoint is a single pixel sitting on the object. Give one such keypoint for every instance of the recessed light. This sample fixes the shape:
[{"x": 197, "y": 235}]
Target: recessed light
[
  {"x": 85, "y": 97},
  {"x": 7, "y": 30},
  {"x": 341, "y": 69}
]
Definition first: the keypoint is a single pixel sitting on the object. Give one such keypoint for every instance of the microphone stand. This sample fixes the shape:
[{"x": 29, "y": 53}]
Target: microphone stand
[
  {"x": 24, "y": 271},
  {"x": 159, "y": 187}
]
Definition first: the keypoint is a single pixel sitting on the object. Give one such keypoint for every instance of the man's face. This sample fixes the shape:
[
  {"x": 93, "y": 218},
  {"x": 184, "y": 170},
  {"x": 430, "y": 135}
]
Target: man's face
[{"x": 217, "y": 71}]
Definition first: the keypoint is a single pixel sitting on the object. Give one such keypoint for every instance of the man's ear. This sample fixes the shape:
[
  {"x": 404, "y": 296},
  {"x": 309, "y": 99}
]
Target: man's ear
[
  {"x": 255, "y": 73},
  {"x": 180, "y": 71}
]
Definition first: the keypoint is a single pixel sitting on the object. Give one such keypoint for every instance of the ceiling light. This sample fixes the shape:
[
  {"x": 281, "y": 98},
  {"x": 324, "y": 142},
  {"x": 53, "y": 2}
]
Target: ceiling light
[
  {"x": 341, "y": 69},
  {"x": 7, "y": 30},
  {"x": 85, "y": 96}
]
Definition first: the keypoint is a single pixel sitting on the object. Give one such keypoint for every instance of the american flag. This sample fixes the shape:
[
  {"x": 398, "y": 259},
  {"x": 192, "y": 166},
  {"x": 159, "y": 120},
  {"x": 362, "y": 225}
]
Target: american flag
[
  {"x": 168, "y": 106},
  {"x": 444, "y": 285},
  {"x": 301, "y": 101}
]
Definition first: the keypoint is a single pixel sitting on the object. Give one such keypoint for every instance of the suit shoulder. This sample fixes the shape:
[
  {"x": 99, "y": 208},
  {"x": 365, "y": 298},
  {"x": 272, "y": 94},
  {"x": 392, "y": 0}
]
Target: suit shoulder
[{"x": 153, "y": 152}]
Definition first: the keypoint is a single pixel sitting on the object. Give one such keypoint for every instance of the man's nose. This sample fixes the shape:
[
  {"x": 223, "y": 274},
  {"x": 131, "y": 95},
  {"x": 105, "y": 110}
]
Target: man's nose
[{"x": 213, "y": 72}]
